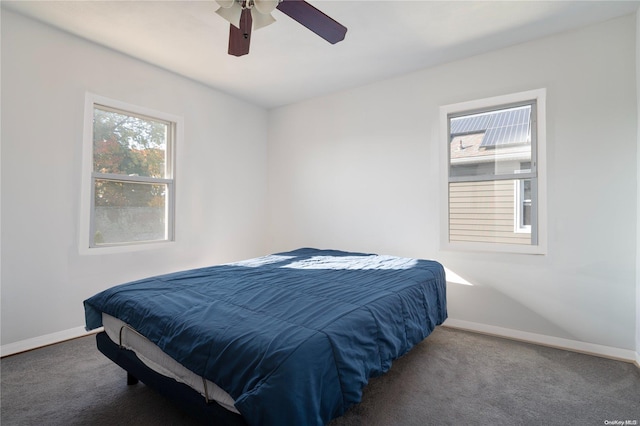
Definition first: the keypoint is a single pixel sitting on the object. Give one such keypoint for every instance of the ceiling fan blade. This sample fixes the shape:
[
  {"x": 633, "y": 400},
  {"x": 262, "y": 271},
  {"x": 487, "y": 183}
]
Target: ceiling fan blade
[
  {"x": 313, "y": 19},
  {"x": 240, "y": 38}
]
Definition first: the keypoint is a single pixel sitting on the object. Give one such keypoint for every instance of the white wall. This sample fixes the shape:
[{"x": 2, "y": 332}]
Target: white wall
[
  {"x": 359, "y": 170},
  {"x": 221, "y": 175}
]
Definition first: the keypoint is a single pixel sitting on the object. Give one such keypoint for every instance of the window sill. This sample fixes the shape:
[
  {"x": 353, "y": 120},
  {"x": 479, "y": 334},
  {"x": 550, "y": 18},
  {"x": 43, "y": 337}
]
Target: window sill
[
  {"x": 127, "y": 248},
  {"x": 494, "y": 248}
]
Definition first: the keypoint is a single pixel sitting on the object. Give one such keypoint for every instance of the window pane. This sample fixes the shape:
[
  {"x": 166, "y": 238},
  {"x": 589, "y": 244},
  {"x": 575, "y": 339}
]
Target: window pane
[
  {"x": 129, "y": 212},
  {"x": 484, "y": 212},
  {"x": 490, "y": 143},
  {"x": 129, "y": 145}
]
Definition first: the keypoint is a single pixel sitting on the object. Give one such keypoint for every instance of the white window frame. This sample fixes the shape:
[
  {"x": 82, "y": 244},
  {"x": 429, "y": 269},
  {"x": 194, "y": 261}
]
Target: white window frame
[
  {"x": 539, "y": 240},
  {"x": 86, "y": 244},
  {"x": 518, "y": 227}
]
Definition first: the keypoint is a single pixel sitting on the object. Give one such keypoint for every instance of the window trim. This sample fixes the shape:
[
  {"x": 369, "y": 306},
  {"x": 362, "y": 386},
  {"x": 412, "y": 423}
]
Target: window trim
[
  {"x": 538, "y": 246},
  {"x": 519, "y": 201},
  {"x": 86, "y": 243}
]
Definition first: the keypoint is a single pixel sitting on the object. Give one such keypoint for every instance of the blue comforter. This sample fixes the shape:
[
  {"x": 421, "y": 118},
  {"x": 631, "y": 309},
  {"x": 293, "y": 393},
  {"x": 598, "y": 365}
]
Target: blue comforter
[{"x": 292, "y": 337}]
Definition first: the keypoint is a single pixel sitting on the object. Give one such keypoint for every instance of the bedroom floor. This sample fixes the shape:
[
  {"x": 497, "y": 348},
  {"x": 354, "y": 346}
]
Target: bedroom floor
[{"x": 452, "y": 377}]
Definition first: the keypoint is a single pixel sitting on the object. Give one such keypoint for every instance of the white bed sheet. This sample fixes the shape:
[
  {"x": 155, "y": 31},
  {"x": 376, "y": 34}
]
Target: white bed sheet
[{"x": 153, "y": 357}]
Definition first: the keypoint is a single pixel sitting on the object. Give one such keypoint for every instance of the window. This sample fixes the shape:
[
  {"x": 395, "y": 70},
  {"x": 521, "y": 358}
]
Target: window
[
  {"x": 494, "y": 166},
  {"x": 129, "y": 182}
]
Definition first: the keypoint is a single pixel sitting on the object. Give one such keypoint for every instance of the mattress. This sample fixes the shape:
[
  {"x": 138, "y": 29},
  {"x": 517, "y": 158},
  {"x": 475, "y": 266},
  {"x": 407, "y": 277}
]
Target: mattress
[{"x": 152, "y": 356}]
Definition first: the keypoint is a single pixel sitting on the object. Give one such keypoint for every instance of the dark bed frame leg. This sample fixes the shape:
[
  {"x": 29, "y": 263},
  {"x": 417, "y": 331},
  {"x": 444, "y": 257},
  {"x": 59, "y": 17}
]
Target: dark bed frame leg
[{"x": 131, "y": 379}]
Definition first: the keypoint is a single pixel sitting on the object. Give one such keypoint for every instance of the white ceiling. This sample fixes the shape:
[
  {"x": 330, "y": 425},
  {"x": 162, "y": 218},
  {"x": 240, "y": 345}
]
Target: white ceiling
[{"x": 288, "y": 63}]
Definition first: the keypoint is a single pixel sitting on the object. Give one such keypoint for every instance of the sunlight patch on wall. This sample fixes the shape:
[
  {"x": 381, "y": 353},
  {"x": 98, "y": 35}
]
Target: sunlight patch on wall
[{"x": 452, "y": 277}]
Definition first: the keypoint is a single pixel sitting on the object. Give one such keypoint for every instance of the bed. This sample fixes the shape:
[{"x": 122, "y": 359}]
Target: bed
[{"x": 286, "y": 339}]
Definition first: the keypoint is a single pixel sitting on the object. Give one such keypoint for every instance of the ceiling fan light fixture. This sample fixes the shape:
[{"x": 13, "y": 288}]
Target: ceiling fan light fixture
[
  {"x": 265, "y": 6},
  {"x": 261, "y": 20},
  {"x": 231, "y": 14},
  {"x": 225, "y": 3}
]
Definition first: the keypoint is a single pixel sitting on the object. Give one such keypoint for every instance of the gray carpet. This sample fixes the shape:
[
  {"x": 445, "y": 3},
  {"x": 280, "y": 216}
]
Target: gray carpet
[{"x": 453, "y": 377}]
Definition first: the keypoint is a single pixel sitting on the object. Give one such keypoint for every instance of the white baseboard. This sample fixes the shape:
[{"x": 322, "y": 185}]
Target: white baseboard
[
  {"x": 541, "y": 339},
  {"x": 46, "y": 340}
]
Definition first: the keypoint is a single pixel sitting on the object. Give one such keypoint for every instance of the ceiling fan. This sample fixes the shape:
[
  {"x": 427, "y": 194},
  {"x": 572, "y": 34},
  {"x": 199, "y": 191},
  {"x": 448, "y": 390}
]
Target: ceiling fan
[{"x": 245, "y": 15}]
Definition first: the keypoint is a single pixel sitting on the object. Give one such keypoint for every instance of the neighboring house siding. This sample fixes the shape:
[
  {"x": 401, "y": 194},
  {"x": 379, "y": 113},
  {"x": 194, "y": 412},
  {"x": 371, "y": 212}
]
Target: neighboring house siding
[{"x": 484, "y": 212}]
